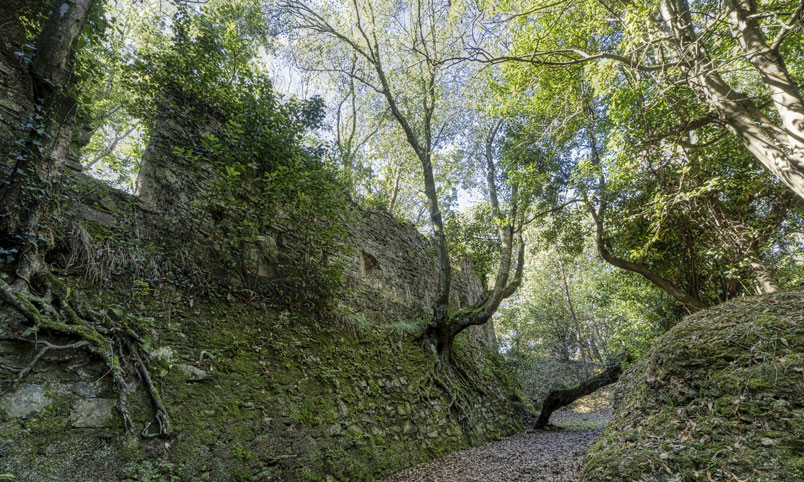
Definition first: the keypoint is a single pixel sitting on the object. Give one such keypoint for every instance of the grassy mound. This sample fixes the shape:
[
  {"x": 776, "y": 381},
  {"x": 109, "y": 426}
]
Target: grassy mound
[{"x": 719, "y": 397}]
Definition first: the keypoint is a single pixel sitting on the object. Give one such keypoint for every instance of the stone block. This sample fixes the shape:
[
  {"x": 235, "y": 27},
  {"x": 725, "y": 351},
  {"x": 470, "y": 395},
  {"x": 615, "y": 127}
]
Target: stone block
[
  {"x": 91, "y": 412},
  {"x": 25, "y": 402},
  {"x": 87, "y": 389}
]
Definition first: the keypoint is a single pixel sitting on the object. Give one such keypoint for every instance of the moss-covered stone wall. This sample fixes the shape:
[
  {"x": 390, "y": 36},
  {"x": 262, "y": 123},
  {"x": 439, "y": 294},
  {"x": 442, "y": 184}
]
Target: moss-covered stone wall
[
  {"x": 253, "y": 394},
  {"x": 254, "y": 390}
]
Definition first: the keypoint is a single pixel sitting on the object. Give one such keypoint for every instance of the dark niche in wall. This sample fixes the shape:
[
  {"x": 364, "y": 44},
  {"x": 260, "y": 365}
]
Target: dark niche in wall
[{"x": 371, "y": 266}]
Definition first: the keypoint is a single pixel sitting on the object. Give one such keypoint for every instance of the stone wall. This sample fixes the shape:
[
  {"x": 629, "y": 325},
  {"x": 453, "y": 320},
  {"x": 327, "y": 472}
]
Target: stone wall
[
  {"x": 391, "y": 272},
  {"x": 253, "y": 394},
  {"x": 254, "y": 391},
  {"x": 16, "y": 104}
]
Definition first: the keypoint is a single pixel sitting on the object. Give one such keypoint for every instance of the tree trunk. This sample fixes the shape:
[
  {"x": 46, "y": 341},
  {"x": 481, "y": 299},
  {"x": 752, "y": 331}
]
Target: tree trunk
[
  {"x": 575, "y": 320},
  {"x": 504, "y": 285},
  {"x": 561, "y": 398},
  {"x": 772, "y": 69},
  {"x": 593, "y": 345},
  {"x": 691, "y": 303},
  {"x": 780, "y": 150},
  {"x": 441, "y": 308},
  {"x": 395, "y": 192},
  {"x": 24, "y": 198},
  {"x": 764, "y": 279}
]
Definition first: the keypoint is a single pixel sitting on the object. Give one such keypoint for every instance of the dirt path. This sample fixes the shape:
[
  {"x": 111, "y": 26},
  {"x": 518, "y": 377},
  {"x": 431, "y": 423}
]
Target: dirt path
[{"x": 554, "y": 455}]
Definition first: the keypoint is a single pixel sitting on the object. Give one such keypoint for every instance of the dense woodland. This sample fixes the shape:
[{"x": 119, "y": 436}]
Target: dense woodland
[{"x": 607, "y": 167}]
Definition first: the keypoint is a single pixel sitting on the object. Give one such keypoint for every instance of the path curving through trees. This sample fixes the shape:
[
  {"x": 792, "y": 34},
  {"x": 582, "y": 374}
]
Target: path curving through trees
[{"x": 552, "y": 455}]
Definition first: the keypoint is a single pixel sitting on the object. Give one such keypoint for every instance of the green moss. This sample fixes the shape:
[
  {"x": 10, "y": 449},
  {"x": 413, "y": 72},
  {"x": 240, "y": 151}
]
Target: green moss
[
  {"x": 288, "y": 396},
  {"x": 716, "y": 398}
]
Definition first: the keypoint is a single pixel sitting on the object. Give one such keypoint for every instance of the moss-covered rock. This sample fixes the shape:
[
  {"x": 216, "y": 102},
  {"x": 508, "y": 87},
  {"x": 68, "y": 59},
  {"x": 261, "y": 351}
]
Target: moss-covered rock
[{"x": 719, "y": 397}]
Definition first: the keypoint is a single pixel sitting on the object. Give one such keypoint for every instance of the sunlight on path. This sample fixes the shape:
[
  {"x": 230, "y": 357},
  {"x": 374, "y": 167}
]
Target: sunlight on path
[{"x": 538, "y": 456}]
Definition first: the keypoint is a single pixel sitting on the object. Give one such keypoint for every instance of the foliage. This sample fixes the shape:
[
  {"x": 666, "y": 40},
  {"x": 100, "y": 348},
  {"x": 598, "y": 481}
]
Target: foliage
[
  {"x": 111, "y": 132},
  {"x": 472, "y": 237},
  {"x": 266, "y": 170},
  {"x": 619, "y": 315},
  {"x": 203, "y": 66}
]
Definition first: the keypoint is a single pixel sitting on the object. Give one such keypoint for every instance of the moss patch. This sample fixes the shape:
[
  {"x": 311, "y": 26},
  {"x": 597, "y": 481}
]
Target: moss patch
[{"x": 719, "y": 397}]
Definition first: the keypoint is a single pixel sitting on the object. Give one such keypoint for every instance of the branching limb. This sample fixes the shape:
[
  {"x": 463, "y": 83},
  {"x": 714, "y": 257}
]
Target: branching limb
[{"x": 787, "y": 27}]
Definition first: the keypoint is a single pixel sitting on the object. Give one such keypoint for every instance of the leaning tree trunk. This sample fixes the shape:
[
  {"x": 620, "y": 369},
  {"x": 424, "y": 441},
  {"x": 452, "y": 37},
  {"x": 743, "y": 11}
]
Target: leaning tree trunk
[{"x": 561, "y": 398}]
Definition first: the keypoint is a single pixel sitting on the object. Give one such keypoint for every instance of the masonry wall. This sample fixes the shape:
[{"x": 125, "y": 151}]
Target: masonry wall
[
  {"x": 391, "y": 272},
  {"x": 255, "y": 391}
]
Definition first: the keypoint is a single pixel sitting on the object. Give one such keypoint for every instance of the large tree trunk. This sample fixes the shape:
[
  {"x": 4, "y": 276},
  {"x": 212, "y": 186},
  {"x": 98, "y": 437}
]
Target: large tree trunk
[
  {"x": 764, "y": 279},
  {"x": 24, "y": 200},
  {"x": 772, "y": 69},
  {"x": 504, "y": 285},
  {"x": 779, "y": 149},
  {"x": 561, "y": 398},
  {"x": 441, "y": 321}
]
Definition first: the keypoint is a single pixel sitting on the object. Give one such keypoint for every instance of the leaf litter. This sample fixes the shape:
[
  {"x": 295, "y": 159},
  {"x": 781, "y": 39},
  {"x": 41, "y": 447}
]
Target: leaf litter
[{"x": 549, "y": 455}]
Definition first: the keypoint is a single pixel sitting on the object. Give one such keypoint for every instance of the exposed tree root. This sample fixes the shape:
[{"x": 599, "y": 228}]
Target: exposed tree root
[
  {"x": 160, "y": 412},
  {"x": 44, "y": 301},
  {"x": 27, "y": 368},
  {"x": 453, "y": 381}
]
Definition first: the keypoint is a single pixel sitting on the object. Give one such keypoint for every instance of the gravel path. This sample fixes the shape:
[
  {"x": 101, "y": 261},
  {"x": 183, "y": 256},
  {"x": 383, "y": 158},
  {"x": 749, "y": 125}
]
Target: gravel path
[{"x": 553, "y": 455}]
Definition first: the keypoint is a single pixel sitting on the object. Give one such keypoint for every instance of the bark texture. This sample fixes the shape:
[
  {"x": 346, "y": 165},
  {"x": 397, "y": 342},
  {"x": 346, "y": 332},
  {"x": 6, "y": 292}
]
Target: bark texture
[
  {"x": 561, "y": 398},
  {"x": 779, "y": 148},
  {"x": 24, "y": 196}
]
